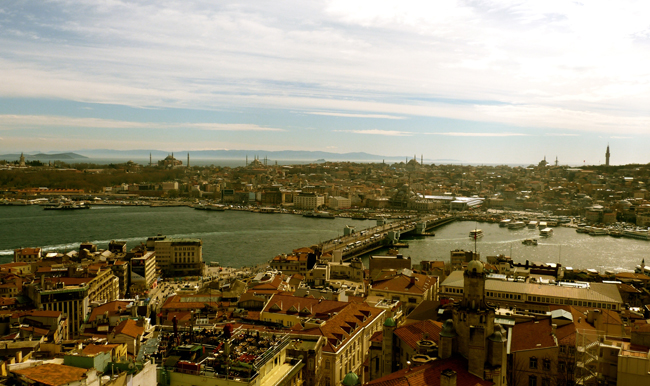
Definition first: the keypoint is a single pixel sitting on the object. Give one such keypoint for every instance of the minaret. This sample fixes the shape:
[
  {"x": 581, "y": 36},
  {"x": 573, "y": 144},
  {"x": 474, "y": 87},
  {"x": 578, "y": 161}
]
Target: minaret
[
  {"x": 556, "y": 162},
  {"x": 188, "y": 159},
  {"x": 421, "y": 159},
  {"x": 150, "y": 159},
  {"x": 22, "y": 159},
  {"x": 607, "y": 156},
  {"x": 246, "y": 159}
]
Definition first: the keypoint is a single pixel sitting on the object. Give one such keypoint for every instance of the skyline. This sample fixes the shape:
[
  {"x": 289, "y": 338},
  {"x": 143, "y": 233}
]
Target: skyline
[{"x": 480, "y": 82}]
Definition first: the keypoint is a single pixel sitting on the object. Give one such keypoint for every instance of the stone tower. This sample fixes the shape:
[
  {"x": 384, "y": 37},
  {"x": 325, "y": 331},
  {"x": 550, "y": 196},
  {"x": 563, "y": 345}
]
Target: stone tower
[
  {"x": 478, "y": 339},
  {"x": 607, "y": 156},
  {"x": 387, "y": 346},
  {"x": 22, "y": 160}
]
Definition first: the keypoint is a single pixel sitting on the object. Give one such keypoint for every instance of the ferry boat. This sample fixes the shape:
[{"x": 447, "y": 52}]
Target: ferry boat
[
  {"x": 532, "y": 224},
  {"x": 517, "y": 225},
  {"x": 67, "y": 206},
  {"x": 504, "y": 223},
  {"x": 542, "y": 225},
  {"x": 529, "y": 242},
  {"x": 218, "y": 208},
  {"x": 318, "y": 214},
  {"x": 546, "y": 232},
  {"x": 637, "y": 234},
  {"x": 598, "y": 232},
  {"x": 476, "y": 233}
]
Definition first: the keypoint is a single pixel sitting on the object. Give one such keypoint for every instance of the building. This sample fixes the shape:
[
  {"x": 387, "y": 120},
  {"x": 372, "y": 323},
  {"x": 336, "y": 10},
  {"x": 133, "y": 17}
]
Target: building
[
  {"x": 27, "y": 255},
  {"x": 378, "y": 263},
  {"x": 145, "y": 267},
  {"x": 177, "y": 257},
  {"x": 308, "y": 201},
  {"x": 71, "y": 300},
  {"x": 526, "y": 295},
  {"x": 405, "y": 286},
  {"x": 339, "y": 202}
]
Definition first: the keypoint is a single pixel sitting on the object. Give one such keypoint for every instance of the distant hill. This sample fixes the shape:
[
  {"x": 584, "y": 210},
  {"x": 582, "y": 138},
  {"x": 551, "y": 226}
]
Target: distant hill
[
  {"x": 284, "y": 155},
  {"x": 43, "y": 156}
]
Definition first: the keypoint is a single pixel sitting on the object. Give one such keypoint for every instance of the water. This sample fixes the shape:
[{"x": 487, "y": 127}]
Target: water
[
  {"x": 571, "y": 249},
  {"x": 238, "y": 239},
  {"x": 233, "y": 238}
]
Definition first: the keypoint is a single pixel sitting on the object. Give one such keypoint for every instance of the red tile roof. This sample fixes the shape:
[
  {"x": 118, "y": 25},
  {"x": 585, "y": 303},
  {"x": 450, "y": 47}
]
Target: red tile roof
[
  {"x": 429, "y": 375},
  {"x": 130, "y": 328},
  {"x": 53, "y": 374},
  {"x": 415, "y": 284},
  {"x": 412, "y": 333},
  {"x": 532, "y": 335},
  {"x": 93, "y": 349}
]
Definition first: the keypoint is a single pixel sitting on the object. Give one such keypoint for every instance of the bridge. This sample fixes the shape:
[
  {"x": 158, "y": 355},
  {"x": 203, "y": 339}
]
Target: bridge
[{"x": 384, "y": 234}]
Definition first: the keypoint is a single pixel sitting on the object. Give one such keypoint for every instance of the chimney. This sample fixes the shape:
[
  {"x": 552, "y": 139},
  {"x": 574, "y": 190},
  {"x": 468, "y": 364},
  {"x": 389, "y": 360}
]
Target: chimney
[{"x": 448, "y": 377}]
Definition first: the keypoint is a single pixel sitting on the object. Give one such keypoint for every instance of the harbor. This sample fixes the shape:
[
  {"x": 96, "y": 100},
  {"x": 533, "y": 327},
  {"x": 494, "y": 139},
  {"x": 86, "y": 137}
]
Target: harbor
[{"x": 243, "y": 238}]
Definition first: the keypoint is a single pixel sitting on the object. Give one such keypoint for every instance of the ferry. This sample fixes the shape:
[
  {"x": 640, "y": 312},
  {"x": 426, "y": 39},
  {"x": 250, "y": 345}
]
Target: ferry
[
  {"x": 67, "y": 206},
  {"x": 218, "y": 208},
  {"x": 529, "y": 242},
  {"x": 517, "y": 225},
  {"x": 318, "y": 214},
  {"x": 546, "y": 232},
  {"x": 532, "y": 224},
  {"x": 542, "y": 224},
  {"x": 504, "y": 223},
  {"x": 598, "y": 232},
  {"x": 476, "y": 233},
  {"x": 637, "y": 234}
]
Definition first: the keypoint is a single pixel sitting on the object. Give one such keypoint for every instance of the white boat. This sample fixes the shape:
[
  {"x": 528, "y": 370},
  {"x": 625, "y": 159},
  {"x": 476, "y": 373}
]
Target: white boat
[
  {"x": 542, "y": 225},
  {"x": 529, "y": 242},
  {"x": 637, "y": 234},
  {"x": 546, "y": 232},
  {"x": 517, "y": 225},
  {"x": 476, "y": 233},
  {"x": 504, "y": 223},
  {"x": 598, "y": 231},
  {"x": 532, "y": 224}
]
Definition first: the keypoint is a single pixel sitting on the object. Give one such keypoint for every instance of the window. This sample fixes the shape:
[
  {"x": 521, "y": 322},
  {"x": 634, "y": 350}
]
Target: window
[
  {"x": 546, "y": 382},
  {"x": 547, "y": 366},
  {"x": 561, "y": 366},
  {"x": 563, "y": 349},
  {"x": 532, "y": 380},
  {"x": 533, "y": 363}
]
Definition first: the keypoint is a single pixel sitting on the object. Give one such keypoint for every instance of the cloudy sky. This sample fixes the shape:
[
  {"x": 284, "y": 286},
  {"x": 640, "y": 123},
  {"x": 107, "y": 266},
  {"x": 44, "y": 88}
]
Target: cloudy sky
[{"x": 477, "y": 81}]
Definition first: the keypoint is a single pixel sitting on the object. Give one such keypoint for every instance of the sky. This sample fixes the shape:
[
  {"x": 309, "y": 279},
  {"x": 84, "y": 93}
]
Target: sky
[{"x": 474, "y": 81}]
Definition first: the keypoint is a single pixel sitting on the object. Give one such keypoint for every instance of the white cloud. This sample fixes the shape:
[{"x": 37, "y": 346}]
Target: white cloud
[
  {"x": 525, "y": 63},
  {"x": 17, "y": 121},
  {"x": 458, "y": 134},
  {"x": 351, "y": 115},
  {"x": 389, "y": 133},
  {"x": 560, "y": 135}
]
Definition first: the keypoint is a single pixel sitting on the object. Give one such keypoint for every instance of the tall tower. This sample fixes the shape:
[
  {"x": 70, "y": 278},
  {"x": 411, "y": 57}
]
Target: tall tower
[
  {"x": 607, "y": 156},
  {"x": 149, "y": 159},
  {"x": 188, "y": 159}
]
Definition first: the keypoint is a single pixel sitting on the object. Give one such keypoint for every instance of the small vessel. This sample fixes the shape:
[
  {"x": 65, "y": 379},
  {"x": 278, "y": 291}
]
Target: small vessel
[
  {"x": 476, "y": 233},
  {"x": 546, "y": 232},
  {"x": 218, "y": 208},
  {"x": 616, "y": 233},
  {"x": 642, "y": 234},
  {"x": 318, "y": 214},
  {"x": 532, "y": 224},
  {"x": 504, "y": 223},
  {"x": 529, "y": 242},
  {"x": 517, "y": 225},
  {"x": 67, "y": 206},
  {"x": 542, "y": 225},
  {"x": 598, "y": 232}
]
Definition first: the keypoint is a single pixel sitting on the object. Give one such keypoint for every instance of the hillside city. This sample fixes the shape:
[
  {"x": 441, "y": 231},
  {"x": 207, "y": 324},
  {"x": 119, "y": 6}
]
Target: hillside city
[{"x": 317, "y": 315}]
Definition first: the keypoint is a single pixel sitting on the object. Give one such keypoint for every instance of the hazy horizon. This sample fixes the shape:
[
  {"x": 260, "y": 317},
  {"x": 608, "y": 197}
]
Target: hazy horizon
[{"x": 499, "y": 82}]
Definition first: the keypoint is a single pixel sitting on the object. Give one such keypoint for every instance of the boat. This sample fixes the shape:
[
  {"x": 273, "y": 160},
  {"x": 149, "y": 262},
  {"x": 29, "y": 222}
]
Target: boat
[
  {"x": 476, "y": 233},
  {"x": 532, "y": 224},
  {"x": 529, "y": 242},
  {"x": 616, "y": 233},
  {"x": 504, "y": 223},
  {"x": 318, "y": 214},
  {"x": 218, "y": 208},
  {"x": 67, "y": 206},
  {"x": 598, "y": 232},
  {"x": 542, "y": 225},
  {"x": 546, "y": 232},
  {"x": 642, "y": 234},
  {"x": 268, "y": 209},
  {"x": 517, "y": 225}
]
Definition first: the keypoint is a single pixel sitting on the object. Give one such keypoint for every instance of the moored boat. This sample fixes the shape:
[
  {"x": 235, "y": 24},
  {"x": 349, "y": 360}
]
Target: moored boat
[
  {"x": 505, "y": 222},
  {"x": 67, "y": 206},
  {"x": 318, "y": 214},
  {"x": 529, "y": 242},
  {"x": 517, "y": 225},
  {"x": 546, "y": 232}
]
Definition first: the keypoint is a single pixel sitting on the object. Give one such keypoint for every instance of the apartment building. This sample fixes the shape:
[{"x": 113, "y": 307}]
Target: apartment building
[{"x": 177, "y": 257}]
